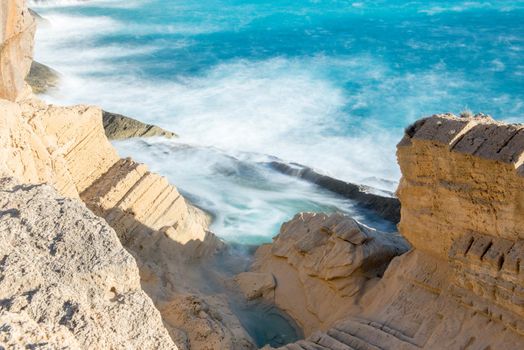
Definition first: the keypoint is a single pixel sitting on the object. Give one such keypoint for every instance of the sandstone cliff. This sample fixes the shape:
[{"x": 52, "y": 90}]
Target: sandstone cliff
[
  {"x": 461, "y": 285},
  {"x": 17, "y": 28}
]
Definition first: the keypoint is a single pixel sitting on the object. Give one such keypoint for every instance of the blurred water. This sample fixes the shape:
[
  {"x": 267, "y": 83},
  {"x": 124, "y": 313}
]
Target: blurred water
[{"x": 329, "y": 84}]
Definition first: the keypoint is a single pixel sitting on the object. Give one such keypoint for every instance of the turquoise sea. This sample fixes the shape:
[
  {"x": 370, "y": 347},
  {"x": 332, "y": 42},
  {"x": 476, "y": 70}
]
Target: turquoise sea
[{"x": 329, "y": 84}]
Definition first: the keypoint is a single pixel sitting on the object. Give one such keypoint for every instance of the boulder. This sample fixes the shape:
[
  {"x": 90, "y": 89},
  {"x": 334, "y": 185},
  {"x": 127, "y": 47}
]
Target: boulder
[{"x": 255, "y": 285}]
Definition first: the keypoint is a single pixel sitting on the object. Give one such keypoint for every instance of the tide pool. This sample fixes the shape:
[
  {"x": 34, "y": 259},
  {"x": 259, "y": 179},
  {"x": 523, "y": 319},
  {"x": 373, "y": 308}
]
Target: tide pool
[{"x": 328, "y": 84}]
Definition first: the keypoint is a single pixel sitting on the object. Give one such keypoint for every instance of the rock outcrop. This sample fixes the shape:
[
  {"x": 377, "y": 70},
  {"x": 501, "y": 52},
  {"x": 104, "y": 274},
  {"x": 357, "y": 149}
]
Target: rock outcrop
[
  {"x": 461, "y": 286},
  {"x": 42, "y": 78},
  {"x": 65, "y": 279},
  {"x": 17, "y": 28},
  {"x": 461, "y": 175},
  {"x": 321, "y": 264},
  {"x": 120, "y": 127}
]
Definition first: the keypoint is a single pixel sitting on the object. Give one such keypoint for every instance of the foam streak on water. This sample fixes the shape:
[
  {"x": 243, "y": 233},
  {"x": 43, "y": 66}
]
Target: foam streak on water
[{"x": 329, "y": 84}]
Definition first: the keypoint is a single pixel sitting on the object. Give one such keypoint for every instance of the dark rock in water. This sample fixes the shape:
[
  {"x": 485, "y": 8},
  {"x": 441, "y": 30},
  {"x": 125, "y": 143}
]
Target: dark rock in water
[
  {"x": 41, "y": 78},
  {"x": 119, "y": 127},
  {"x": 384, "y": 206},
  {"x": 39, "y": 19}
]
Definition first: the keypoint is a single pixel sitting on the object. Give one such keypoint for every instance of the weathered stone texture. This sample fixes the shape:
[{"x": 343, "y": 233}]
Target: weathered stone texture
[{"x": 66, "y": 280}]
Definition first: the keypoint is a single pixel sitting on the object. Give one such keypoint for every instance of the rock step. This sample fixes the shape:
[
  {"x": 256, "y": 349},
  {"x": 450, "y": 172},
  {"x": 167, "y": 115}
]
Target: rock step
[
  {"x": 110, "y": 188},
  {"x": 132, "y": 200},
  {"x": 174, "y": 209},
  {"x": 375, "y": 335},
  {"x": 351, "y": 340},
  {"x": 328, "y": 341},
  {"x": 155, "y": 196}
]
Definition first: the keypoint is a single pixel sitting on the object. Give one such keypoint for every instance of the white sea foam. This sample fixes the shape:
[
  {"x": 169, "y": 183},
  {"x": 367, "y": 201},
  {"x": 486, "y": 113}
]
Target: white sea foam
[
  {"x": 248, "y": 200},
  {"x": 84, "y": 3},
  {"x": 285, "y": 107},
  {"x": 339, "y": 114}
]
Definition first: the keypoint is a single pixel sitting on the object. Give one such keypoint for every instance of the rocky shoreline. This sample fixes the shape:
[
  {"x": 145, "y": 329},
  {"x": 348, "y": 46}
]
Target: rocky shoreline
[{"x": 120, "y": 259}]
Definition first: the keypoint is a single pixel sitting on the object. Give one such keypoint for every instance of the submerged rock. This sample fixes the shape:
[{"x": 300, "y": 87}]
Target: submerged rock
[
  {"x": 41, "y": 78},
  {"x": 120, "y": 127},
  {"x": 385, "y": 205}
]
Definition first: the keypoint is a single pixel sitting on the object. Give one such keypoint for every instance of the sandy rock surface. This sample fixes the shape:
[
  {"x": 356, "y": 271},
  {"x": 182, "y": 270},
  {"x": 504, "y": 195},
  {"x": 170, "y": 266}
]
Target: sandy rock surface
[
  {"x": 255, "y": 285},
  {"x": 65, "y": 278}
]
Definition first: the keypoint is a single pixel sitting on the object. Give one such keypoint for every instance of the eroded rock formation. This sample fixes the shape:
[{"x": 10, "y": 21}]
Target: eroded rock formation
[
  {"x": 461, "y": 286},
  {"x": 42, "y": 78},
  {"x": 321, "y": 264}
]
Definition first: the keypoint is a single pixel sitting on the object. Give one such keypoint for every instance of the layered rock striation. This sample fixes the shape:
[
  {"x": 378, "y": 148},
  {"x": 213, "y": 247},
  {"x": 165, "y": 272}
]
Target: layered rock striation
[{"x": 461, "y": 284}]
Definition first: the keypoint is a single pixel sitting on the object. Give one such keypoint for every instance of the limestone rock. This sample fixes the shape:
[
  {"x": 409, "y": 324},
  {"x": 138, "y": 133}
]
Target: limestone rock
[
  {"x": 17, "y": 28},
  {"x": 212, "y": 324},
  {"x": 321, "y": 263},
  {"x": 255, "y": 285},
  {"x": 42, "y": 78},
  {"x": 120, "y": 127},
  {"x": 66, "y": 279}
]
